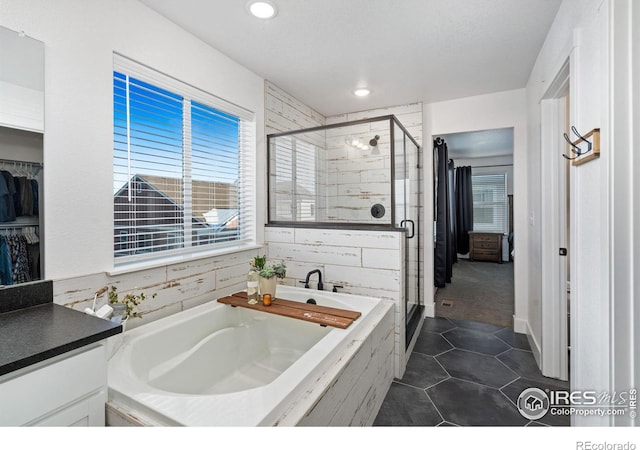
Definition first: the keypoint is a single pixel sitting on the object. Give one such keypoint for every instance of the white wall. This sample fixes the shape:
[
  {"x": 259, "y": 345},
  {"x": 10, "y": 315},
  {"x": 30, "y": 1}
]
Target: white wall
[
  {"x": 80, "y": 37},
  {"x": 500, "y": 110},
  {"x": 578, "y": 33}
]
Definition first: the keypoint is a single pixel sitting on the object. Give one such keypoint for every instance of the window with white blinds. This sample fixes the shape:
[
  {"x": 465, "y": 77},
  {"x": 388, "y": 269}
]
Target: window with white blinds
[
  {"x": 182, "y": 167},
  {"x": 294, "y": 179},
  {"x": 490, "y": 203}
]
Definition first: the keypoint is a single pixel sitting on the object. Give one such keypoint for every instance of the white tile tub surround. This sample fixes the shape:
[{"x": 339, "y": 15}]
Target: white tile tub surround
[
  {"x": 358, "y": 389},
  {"x": 366, "y": 263},
  {"x": 178, "y": 286},
  {"x": 310, "y": 390}
]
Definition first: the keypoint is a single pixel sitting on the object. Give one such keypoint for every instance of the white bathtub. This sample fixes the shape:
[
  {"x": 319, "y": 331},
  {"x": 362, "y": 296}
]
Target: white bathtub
[{"x": 216, "y": 365}]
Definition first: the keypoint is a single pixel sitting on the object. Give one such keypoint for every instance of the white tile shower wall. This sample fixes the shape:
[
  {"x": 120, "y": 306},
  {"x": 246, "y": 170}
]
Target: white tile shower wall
[
  {"x": 178, "y": 286},
  {"x": 351, "y": 197},
  {"x": 363, "y": 179},
  {"x": 285, "y": 113},
  {"x": 362, "y": 262}
]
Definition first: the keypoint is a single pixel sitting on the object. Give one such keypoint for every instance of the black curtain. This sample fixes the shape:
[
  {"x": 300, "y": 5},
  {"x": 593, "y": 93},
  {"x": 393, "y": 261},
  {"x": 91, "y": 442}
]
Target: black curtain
[
  {"x": 464, "y": 208},
  {"x": 443, "y": 252},
  {"x": 452, "y": 210}
]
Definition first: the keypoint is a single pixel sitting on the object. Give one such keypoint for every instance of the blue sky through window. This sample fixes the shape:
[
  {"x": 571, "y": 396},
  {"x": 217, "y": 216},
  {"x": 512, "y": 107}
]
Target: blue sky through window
[{"x": 156, "y": 133}]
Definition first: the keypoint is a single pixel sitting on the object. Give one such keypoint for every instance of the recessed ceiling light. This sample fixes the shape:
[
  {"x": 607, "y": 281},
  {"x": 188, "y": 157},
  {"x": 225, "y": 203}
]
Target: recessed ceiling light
[
  {"x": 361, "y": 92},
  {"x": 263, "y": 10}
]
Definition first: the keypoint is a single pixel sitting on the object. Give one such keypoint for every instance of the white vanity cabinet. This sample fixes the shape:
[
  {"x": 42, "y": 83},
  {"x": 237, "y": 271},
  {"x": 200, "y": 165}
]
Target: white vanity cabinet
[{"x": 68, "y": 390}]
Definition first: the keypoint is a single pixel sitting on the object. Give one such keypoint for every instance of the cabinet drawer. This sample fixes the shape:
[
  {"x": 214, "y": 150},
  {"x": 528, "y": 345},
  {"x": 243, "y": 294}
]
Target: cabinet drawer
[
  {"x": 485, "y": 252},
  {"x": 485, "y": 238},
  {"x": 485, "y": 244}
]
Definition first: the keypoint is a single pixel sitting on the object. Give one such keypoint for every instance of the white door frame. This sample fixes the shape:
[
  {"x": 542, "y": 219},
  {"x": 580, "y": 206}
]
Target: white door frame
[
  {"x": 554, "y": 357},
  {"x": 623, "y": 77}
]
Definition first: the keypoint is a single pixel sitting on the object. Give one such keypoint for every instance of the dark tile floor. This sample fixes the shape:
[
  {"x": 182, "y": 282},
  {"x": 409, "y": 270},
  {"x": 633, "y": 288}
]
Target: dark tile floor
[{"x": 465, "y": 373}]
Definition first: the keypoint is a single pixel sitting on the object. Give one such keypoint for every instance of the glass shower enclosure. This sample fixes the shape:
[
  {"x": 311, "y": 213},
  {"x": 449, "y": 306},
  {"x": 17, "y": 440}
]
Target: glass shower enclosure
[{"x": 363, "y": 174}]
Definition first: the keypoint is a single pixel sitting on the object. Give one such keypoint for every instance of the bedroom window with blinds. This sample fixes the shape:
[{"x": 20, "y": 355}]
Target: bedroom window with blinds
[
  {"x": 182, "y": 167},
  {"x": 490, "y": 202}
]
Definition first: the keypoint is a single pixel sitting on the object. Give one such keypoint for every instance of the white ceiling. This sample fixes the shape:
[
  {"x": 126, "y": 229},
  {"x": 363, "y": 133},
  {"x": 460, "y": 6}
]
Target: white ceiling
[
  {"x": 405, "y": 51},
  {"x": 480, "y": 144}
]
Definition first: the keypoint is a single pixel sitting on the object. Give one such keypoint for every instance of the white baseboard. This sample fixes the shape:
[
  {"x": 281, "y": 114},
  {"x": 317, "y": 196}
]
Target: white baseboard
[
  {"x": 430, "y": 309},
  {"x": 520, "y": 326},
  {"x": 535, "y": 347}
]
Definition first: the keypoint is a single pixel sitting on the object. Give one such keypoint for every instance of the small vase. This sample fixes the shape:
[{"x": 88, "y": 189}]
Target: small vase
[{"x": 268, "y": 286}]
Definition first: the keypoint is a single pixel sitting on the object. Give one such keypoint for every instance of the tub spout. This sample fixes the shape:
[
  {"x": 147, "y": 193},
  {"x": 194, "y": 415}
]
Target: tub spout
[{"x": 306, "y": 282}]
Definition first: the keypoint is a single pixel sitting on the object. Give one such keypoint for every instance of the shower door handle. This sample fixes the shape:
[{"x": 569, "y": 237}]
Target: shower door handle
[{"x": 413, "y": 227}]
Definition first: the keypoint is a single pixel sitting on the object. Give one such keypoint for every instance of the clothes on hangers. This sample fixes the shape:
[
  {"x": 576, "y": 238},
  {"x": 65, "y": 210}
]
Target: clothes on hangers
[
  {"x": 26, "y": 196},
  {"x": 34, "y": 189},
  {"x": 7, "y": 191},
  {"x": 18, "y": 197},
  {"x": 5, "y": 263},
  {"x": 19, "y": 261}
]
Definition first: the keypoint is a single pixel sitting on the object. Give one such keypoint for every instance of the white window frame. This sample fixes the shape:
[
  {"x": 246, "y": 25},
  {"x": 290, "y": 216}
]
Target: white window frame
[
  {"x": 246, "y": 175},
  {"x": 504, "y": 205}
]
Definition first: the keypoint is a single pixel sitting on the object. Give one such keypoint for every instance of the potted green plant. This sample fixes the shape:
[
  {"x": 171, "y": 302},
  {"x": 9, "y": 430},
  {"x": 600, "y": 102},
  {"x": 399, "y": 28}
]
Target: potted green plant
[
  {"x": 127, "y": 306},
  {"x": 268, "y": 274},
  {"x": 257, "y": 263}
]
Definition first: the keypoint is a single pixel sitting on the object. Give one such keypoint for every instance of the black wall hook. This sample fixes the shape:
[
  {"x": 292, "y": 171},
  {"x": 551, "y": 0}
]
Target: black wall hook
[{"x": 577, "y": 151}]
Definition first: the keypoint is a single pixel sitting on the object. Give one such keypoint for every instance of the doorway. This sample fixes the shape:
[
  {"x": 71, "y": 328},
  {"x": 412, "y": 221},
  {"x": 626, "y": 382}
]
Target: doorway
[
  {"x": 556, "y": 226},
  {"x": 479, "y": 284}
]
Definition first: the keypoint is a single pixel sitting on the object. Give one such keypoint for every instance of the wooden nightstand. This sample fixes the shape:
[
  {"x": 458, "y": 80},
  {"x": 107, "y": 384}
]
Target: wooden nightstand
[{"x": 485, "y": 246}]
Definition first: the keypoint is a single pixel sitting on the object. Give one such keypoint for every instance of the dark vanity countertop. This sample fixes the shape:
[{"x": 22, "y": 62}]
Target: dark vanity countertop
[{"x": 31, "y": 335}]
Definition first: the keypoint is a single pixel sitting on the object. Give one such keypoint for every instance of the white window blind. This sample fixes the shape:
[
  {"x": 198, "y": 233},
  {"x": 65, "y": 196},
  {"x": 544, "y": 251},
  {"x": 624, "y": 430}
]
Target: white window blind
[
  {"x": 305, "y": 186},
  {"x": 490, "y": 203},
  {"x": 183, "y": 165},
  {"x": 293, "y": 179}
]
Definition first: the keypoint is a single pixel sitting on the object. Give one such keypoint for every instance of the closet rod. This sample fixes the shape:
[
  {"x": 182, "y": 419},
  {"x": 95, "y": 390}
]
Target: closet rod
[
  {"x": 18, "y": 225},
  {"x": 494, "y": 165},
  {"x": 14, "y": 161}
]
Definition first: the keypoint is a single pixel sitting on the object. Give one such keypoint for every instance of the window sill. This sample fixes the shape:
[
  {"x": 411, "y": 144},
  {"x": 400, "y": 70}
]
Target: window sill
[{"x": 135, "y": 266}]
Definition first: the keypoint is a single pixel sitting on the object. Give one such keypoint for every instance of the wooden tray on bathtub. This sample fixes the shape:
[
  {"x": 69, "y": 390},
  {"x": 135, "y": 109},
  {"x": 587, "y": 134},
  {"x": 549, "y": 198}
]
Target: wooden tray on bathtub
[{"x": 324, "y": 315}]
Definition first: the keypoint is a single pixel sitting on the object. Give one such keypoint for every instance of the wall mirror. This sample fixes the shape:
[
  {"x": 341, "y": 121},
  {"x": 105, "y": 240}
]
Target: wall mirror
[{"x": 21, "y": 157}]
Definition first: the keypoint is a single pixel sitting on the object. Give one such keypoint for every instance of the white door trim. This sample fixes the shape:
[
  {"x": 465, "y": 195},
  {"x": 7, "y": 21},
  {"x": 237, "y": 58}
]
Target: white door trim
[{"x": 623, "y": 74}]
